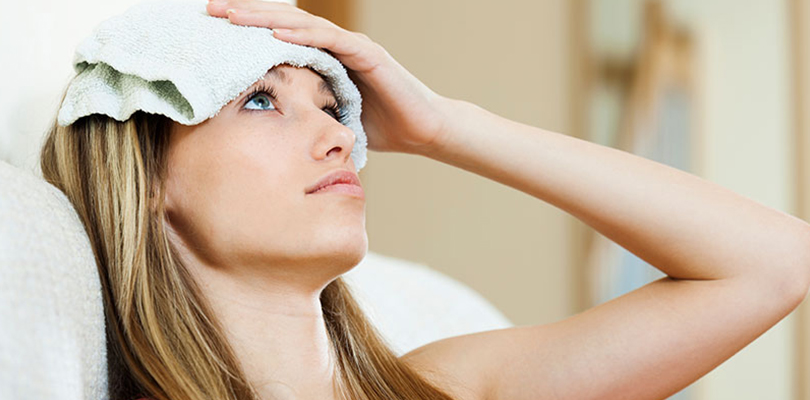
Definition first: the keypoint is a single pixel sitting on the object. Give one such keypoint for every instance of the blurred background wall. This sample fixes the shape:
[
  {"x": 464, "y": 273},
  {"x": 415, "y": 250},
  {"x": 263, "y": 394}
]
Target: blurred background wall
[
  {"x": 513, "y": 59},
  {"x": 573, "y": 67}
]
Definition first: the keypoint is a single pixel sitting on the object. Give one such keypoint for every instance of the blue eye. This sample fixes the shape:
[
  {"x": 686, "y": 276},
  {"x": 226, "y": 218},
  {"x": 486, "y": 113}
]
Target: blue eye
[{"x": 262, "y": 100}]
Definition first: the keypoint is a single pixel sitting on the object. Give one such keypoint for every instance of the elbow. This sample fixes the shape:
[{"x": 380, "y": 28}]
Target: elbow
[
  {"x": 801, "y": 290},
  {"x": 803, "y": 283},
  {"x": 788, "y": 273},
  {"x": 804, "y": 279},
  {"x": 798, "y": 271},
  {"x": 781, "y": 271},
  {"x": 790, "y": 288},
  {"x": 804, "y": 267}
]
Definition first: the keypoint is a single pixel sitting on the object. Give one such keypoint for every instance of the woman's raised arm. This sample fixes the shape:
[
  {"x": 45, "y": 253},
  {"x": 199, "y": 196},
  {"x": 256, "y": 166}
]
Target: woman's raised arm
[{"x": 735, "y": 267}]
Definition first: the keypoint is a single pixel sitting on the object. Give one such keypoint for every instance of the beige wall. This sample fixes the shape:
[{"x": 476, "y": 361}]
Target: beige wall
[{"x": 511, "y": 58}]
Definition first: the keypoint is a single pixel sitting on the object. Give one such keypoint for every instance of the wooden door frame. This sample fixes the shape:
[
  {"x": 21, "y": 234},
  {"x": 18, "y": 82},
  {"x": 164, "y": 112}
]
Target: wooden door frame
[
  {"x": 800, "y": 28},
  {"x": 341, "y": 12},
  {"x": 643, "y": 76},
  {"x": 580, "y": 81}
]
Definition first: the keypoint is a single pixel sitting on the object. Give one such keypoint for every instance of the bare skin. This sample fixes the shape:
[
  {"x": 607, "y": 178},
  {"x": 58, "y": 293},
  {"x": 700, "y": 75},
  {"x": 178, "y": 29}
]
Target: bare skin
[
  {"x": 261, "y": 247},
  {"x": 734, "y": 267}
]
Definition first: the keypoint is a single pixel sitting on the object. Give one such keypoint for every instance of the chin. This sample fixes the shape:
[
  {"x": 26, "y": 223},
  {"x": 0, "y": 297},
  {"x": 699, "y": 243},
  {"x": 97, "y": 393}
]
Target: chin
[
  {"x": 355, "y": 249},
  {"x": 351, "y": 249},
  {"x": 343, "y": 244}
]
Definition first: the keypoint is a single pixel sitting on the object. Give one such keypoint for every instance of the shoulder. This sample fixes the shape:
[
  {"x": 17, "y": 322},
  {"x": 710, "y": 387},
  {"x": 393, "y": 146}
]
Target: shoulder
[
  {"x": 462, "y": 366},
  {"x": 516, "y": 363}
]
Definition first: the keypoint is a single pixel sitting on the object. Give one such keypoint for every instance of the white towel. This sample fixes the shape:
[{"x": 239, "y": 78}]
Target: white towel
[{"x": 172, "y": 58}]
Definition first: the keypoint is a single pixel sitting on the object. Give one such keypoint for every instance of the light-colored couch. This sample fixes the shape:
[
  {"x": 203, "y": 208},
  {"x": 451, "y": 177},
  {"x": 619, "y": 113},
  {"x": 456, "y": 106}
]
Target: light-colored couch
[{"x": 52, "y": 342}]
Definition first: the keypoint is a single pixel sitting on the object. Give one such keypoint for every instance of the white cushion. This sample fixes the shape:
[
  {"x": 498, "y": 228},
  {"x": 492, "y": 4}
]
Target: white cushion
[
  {"x": 413, "y": 305},
  {"x": 52, "y": 339}
]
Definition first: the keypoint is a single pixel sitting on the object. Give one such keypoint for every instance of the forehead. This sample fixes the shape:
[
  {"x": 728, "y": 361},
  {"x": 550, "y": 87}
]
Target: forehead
[{"x": 279, "y": 73}]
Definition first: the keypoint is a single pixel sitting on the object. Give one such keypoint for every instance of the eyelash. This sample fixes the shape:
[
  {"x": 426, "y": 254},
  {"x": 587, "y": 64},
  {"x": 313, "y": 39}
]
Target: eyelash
[{"x": 338, "y": 112}]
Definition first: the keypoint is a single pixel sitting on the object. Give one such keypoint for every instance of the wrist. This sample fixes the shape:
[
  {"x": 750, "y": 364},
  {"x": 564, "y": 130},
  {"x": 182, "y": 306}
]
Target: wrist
[{"x": 450, "y": 112}]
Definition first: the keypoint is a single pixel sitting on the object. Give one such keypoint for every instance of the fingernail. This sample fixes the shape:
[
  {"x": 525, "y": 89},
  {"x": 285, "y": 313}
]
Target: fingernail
[
  {"x": 282, "y": 31},
  {"x": 230, "y": 11}
]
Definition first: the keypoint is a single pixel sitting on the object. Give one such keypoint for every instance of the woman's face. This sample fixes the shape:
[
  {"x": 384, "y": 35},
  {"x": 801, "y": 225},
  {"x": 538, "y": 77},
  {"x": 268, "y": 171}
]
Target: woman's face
[{"x": 236, "y": 184}]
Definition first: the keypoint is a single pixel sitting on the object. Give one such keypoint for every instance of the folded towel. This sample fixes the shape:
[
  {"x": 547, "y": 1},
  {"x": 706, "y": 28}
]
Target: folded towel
[{"x": 172, "y": 58}]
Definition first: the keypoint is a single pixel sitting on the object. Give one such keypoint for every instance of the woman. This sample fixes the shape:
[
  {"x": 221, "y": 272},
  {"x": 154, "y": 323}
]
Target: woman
[{"x": 221, "y": 263}]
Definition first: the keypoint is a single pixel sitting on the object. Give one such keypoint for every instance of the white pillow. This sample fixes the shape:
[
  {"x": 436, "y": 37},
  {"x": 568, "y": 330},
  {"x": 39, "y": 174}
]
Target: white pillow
[
  {"x": 52, "y": 338},
  {"x": 413, "y": 305}
]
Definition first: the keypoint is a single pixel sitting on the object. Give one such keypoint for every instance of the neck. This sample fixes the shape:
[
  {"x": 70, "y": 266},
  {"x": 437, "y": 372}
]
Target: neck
[
  {"x": 273, "y": 320},
  {"x": 277, "y": 332}
]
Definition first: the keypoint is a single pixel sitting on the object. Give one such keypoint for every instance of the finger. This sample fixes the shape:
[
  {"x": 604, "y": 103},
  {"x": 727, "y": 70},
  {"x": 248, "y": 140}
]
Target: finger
[
  {"x": 219, "y": 7},
  {"x": 318, "y": 37},
  {"x": 274, "y": 19},
  {"x": 354, "y": 50},
  {"x": 267, "y": 4}
]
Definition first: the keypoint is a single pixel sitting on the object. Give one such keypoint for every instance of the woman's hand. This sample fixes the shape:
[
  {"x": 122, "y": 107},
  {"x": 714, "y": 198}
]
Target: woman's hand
[{"x": 400, "y": 113}]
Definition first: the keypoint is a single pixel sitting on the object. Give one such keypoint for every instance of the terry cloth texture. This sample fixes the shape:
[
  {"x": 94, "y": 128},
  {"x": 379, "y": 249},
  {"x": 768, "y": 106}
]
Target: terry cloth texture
[{"x": 172, "y": 58}]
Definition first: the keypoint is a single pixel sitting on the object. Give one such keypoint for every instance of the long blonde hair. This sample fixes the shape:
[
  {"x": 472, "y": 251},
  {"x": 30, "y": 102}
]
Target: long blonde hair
[{"x": 163, "y": 339}]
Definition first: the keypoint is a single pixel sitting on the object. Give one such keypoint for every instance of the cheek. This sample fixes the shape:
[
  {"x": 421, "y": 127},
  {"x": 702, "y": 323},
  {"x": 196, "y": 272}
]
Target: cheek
[
  {"x": 225, "y": 196},
  {"x": 249, "y": 194}
]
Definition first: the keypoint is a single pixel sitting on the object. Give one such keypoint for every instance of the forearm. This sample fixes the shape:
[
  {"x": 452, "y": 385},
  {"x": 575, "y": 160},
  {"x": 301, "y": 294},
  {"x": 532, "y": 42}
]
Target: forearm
[{"x": 687, "y": 227}]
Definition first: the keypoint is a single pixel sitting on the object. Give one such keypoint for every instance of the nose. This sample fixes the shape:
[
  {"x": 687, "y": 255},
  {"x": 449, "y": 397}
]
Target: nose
[{"x": 335, "y": 139}]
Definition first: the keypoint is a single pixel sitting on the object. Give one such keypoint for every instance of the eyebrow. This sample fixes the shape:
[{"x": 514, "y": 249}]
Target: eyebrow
[{"x": 323, "y": 88}]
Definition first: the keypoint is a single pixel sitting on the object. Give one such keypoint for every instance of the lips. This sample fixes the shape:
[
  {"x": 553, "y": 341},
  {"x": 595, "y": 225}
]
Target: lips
[{"x": 340, "y": 176}]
